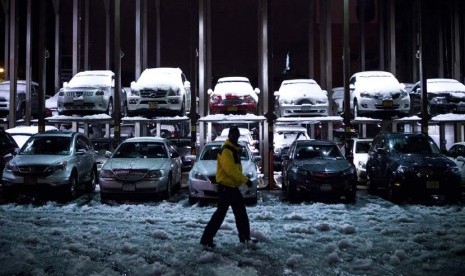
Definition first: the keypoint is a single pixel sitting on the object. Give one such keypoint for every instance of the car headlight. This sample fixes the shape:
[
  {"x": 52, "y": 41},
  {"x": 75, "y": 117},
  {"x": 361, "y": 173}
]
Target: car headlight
[
  {"x": 107, "y": 174},
  {"x": 215, "y": 99},
  {"x": 199, "y": 176},
  {"x": 453, "y": 169},
  {"x": 249, "y": 99},
  {"x": 286, "y": 101},
  {"x": 59, "y": 166},
  {"x": 366, "y": 95},
  {"x": 404, "y": 94},
  {"x": 99, "y": 93},
  {"x": 404, "y": 169},
  {"x": 349, "y": 171},
  {"x": 299, "y": 171},
  {"x": 155, "y": 174},
  {"x": 361, "y": 164},
  {"x": 11, "y": 167},
  {"x": 438, "y": 100},
  {"x": 135, "y": 93}
]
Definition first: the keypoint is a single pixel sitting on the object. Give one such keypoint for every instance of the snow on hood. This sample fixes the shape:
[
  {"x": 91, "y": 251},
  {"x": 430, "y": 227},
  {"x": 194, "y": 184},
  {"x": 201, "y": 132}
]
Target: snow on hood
[
  {"x": 234, "y": 88},
  {"x": 136, "y": 163},
  {"x": 379, "y": 84},
  {"x": 301, "y": 89}
]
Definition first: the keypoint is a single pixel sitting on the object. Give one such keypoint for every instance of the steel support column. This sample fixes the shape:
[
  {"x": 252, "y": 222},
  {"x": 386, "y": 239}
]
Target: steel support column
[
  {"x": 42, "y": 64},
  {"x": 6, "y": 12},
  {"x": 13, "y": 57},
  {"x": 456, "y": 41},
  {"x": 117, "y": 70},
  {"x": 76, "y": 37},
  {"x": 325, "y": 45},
  {"x": 28, "y": 63},
  {"x": 137, "y": 39},
  {"x": 392, "y": 37},
  {"x": 56, "y": 8},
  {"x": 144, "y": 35},
  {"x": 311, "y": 40},
  {"x": 86, "y": 34},
  {"x": 106, "y": 4},
  {"x": 157, "y": 34}
]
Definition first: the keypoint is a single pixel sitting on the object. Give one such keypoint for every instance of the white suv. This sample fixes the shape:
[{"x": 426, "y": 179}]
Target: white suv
[
  {"x": 160, "y": 89},
  {"x": 377, "y": 92}
]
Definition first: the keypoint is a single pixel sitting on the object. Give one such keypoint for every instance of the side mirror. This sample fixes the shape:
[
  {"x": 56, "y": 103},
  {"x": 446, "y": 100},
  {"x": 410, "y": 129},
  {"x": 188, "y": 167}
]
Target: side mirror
[
  {"x": 133, "y": 85},
  {"x": 257, "y": 158},
  {"x": 276, "y": 93},
  {"x": 381, "y": 151},
  {"x": 187, "y": 84},
  {"x": 7, "y": 157},
  {"x": 108, "y": 154},
  {"x": 351, "y": 86},
  {"x": 209, "y": 91},
  {"x": 257, "y": 91},
  {"x": 65, "y": 84},
  {"x": 81, "y": 152}
]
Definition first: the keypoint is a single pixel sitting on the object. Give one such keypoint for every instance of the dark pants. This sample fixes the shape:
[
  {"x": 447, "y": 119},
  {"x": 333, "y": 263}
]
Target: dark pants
[{"x": 228, "y": 197}]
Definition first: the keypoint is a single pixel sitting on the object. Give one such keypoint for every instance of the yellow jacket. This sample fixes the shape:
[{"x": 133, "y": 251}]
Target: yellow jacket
[{"x": 228, "y": 168}]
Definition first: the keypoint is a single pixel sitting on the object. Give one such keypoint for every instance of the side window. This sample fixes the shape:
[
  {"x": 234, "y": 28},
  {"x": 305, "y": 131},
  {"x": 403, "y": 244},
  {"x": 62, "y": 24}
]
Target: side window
[
  {"x": 81, "y": 144},
  {"x": 352, "y": 80}
]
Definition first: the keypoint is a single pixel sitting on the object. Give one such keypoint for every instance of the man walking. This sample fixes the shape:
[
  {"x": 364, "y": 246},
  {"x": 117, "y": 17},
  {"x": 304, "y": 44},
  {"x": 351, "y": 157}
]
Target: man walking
[{"x": 229, "y": 178}]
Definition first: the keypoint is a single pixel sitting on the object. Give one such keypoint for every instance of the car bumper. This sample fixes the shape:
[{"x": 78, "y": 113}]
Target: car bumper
[
  {"x": 112, "y": 186},
  {"x": 11, "y": 181},
  {"x": 206, "y": 190},
  {"x": 369, "y": 105},
  {"x": 171, "y": 103},
  {"x": 303, "y": 110},
  {"x": 243, "y": 108},
  {"x": 334, "y": 187},
  {"x": 98, "y": 104},
  {"x": 412, "y": 185}
]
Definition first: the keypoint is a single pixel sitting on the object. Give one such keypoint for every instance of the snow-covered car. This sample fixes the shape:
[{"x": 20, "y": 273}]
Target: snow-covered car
[
  {"x": 141, "y": 165},
  {"x": 233, "y": 95},
  {"x": 283, "y": 137},
  {"x": 160, "y": 90},
  {"x": 359, "y": 148},
  {"x": 63, "y": 161},
  {"x": 90, "y": 92},
  {"x": 457, "y": 154},
  {"x": 22, "y": 133},
  {"x": 301, "y": 97},
  {"x": 202, "y": 177},
  {"x": 21, "y": 90},
  {"x": 318, "y": 168},
  {"x": 377, "y": 93},
  {"x": 444, "y": 96}
]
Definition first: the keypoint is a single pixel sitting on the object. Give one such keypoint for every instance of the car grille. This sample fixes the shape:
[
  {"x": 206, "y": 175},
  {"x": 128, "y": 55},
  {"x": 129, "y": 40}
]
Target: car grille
[
  {"x": 36, "y": 170},
  {"x": 79, "y": 94},
  {"x": 85, "y": 105},
  {"x": 150, "y": 93},
  {"x": 326, "y": 176},
  {"x": 130, "y": 175}
]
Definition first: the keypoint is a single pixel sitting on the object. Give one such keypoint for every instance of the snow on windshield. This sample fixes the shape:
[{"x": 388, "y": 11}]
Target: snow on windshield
[
  {"x": 311, "y": 90},
  {"x": 436, "y": 86},
  {"x": 151, "y": 77},
  {"x": 378, "y": 83},
  {"x": 233, "y": 86}
]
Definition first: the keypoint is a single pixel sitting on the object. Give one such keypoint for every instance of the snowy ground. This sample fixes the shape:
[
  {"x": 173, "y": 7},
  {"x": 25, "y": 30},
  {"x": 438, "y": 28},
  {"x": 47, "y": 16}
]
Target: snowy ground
[{"x": 371, "y": 237}]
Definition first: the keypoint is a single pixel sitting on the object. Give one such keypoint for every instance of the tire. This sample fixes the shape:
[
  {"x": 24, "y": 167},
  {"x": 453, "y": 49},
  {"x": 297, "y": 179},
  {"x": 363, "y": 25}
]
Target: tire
[
  {"x": 291, "y": 193},
  {"x": 393, "y": 194},
  {"x": 350, "y": 197},
  {"x": 10, "y": 194},
  {"x": 71, "y": 189},
  {"x": 371, "y": 185},
  {"x": 356, "y": 112},
  {"x": 110, "y": 108},
  {"x": 92, "y": 183},
  {"x": 167, "y": 193},
  {"x": 182, "y": 112},
  {"x": 192, "y": 200}
]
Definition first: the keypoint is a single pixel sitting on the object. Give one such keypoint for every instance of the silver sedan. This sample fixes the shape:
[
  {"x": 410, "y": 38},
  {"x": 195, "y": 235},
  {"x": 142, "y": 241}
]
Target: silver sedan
[{"x": 141, "y": 165}]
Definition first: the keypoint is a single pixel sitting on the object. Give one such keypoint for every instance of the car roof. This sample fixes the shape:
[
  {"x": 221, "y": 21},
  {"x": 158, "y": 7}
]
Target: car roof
[
  {"x": 96, "y": 72},
  {"x": 280, "y": 128},
  {"x": 373, "y": 74},
  {"x": 59, "y": 133},
  {"x": 315, "y": 142},
  {"x": 146, "y": 139},
  {"x": 298, "y": 81},
  {"x": 164, "y": 70},
  {"x": 233, "y": 79}
]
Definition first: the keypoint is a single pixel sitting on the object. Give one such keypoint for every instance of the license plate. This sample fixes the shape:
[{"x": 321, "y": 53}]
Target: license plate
[
  {"x": 129, "y": 187},
  {"x": 387, "y": 103},
  {"x": 326, "y": 187},
  {"x": 232, "y": 108},
  {"x": 152, "y": 105},
  {"x": 30, "y": 181},
  {"x": 306, "y": 107},
  {"x": 432, "y": 184}
]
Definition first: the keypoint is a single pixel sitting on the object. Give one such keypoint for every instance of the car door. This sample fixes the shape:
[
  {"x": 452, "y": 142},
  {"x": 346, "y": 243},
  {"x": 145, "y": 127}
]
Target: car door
[
  {"x": 176, "y": 162},
  {"x": 377, "y": 156},
  {"x": 85, "y": 157},
  {"x": 457, "y": 154}
]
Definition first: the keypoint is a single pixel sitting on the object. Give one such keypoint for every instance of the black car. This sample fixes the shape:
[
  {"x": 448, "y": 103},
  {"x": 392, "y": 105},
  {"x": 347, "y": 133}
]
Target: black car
[
  {"x": 318, "y": 168},
  {"x": 183, "y": 147},
  {"x": 411, "y": 165},
  {"x": 7, "y": 146}
]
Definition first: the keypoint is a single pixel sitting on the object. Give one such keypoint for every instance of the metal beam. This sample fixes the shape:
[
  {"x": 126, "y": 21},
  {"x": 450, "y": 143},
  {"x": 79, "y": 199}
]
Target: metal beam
[
  {"x": 76, "y": 37},
  {"x": 6, "y": 11},
  {"x": 13, "y": 57},
  {"x": 392, "y": 37},
  {"x": 42, "y": 66},
  {"x": 157, "y": 34},
  {"x": 311, "y": 41},
  {"x": 456, "y": 40},
  {"x": 117, "y": 70},
  {"x": 56, "y": 7},
  {"x": 144, "y": 35},
  {"x": 86, "y": 34},
  {"x": 138, "y": 40},
  {"x": 106, "y": 4},
  {"x": 28, "y": 61}
]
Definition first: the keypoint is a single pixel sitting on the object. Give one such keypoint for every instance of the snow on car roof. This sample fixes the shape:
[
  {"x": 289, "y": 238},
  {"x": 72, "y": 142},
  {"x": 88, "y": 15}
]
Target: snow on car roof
[
  {"x": 445, "y": 85},
  {"x": 233, "y": 79}
]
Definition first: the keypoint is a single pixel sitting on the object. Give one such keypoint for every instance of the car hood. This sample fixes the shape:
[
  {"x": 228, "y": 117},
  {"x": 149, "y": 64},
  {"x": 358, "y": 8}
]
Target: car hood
[
  {"x": 86, "y": 89},
  {"x": 323, "y": 164},
  {"x": 421, "y": 160},
  {"x": 156, "y": 85},
  {"x": 24, "y": 160},
  {"x": 136, "y": 163},
  {"x": 208, "y": 167}
]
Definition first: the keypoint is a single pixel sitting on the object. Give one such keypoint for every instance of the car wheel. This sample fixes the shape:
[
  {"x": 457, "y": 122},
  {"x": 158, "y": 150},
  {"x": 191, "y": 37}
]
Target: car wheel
[
  {"x": 10, "y": 194},
  {"x": 291, "y": 193},
  {"x": 93, "y": 181},
  {"x": 192, "y": 200},
  {"x": 110, "y": 108},
  {"x": 371, "y": 185},
  {"x": 394, "y": 194},
  {"x": 356, "y": 112},
  {"x": 71, "y": 189},
  {"x": 350, "y": 197},
  {"x": 182, "y": 112},
  {"x": 167, "y": 193}
]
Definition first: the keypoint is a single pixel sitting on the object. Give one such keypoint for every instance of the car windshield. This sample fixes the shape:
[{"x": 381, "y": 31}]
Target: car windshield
[
  {"x": 412, "y": 144},
  {"x": 289, "y": 136},
  {"x": 300, "y": 88},
  {"x": 47, "y": 145},
  {"x": 141, "y": 150},
  {"x": 362, "y": 146},
  {"x": 233, "y": 86},
  {"x": 151, "y": 77},
  {"x": 210, "y": 152},
  {"x": 317, "y": 151},
  {"x": 90, "y": 81}
]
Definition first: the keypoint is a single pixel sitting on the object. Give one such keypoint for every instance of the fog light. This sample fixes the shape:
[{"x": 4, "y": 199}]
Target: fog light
[{"x": 397, "y": 184}]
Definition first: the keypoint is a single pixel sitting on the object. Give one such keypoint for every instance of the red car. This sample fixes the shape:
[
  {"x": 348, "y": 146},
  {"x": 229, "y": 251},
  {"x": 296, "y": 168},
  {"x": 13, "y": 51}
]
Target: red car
[{"x": 233, "y": 95}]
